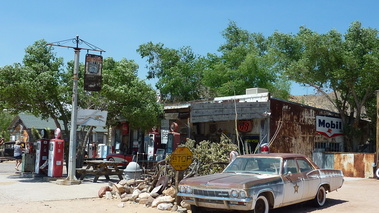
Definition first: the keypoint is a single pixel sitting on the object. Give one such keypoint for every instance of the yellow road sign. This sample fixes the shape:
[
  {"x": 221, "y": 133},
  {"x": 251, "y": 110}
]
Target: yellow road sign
[{"x": 181, "y": 158}]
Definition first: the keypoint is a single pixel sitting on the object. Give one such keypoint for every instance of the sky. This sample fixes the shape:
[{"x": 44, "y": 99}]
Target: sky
[{"x": 120, "y": 26}]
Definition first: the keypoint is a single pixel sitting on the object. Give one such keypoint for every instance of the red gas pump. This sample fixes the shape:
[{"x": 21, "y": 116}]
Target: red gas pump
[
  {"x": 173, "y": 138},
  {"x": 42, "y": 154},
  {"x": 56, "y": 153}
]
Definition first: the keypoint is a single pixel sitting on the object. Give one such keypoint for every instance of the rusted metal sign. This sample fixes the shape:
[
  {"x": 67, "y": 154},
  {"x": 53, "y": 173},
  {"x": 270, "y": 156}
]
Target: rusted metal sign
[
  {"x": 92, "y": 76},
  {"x": 181, "y": 158}
]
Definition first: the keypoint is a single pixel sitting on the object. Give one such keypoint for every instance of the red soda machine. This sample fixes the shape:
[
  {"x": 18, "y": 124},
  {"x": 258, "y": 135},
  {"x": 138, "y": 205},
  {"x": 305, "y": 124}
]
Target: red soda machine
[
  {"x": 42, "y": 151},
  {"x": 56, "y": 153}
]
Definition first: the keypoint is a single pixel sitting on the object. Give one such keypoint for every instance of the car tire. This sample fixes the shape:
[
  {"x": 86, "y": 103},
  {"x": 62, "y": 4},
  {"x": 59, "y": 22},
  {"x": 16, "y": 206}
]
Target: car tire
[
  {"x": 320, "y": 198},
  {"x": 196, "y": 209},
  {"x": 261, "y": 205},
  {"x": 377, "y": 173}
]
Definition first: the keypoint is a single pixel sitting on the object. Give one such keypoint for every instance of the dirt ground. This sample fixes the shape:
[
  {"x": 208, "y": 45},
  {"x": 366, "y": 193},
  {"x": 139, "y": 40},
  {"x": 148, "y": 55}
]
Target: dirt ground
[
  {"x": 95, "y": 205},
  {"x": 356, "y": 195}
]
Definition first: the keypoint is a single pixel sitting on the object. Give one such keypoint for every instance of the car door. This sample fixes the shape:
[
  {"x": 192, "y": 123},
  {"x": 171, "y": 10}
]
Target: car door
[
  {"x": 311, "y": 178},
  {"x": 293, "y": 182}
]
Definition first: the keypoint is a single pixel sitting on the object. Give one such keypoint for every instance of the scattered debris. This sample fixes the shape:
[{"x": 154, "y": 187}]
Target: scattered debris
[{"x": 156, "y": 190}]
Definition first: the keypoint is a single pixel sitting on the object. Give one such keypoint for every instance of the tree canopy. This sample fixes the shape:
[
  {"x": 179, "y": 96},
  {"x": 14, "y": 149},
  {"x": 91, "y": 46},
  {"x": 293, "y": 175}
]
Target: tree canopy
[
  {"x": 244, "y": 62},
  {"x": 179, "y": 72}
]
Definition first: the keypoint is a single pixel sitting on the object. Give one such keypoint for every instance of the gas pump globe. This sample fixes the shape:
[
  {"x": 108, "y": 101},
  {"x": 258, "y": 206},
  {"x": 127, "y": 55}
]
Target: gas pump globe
[{"x": 57, "y": 133}]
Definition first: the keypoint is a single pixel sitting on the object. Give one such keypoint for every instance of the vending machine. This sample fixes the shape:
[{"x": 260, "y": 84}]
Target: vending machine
[
  {"x": 102, "y": 150},
  {"x": 42, "y": 153},
  {"x": 153, "y": 144},
  {"x": 56, "y": 155}
]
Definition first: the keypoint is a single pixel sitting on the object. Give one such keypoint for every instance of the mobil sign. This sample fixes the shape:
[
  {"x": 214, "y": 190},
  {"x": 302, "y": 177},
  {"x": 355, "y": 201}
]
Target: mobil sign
[{"x": 329, "y": 126}]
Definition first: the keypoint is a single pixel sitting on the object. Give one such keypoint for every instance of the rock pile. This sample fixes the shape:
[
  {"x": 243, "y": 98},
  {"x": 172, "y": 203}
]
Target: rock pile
[{"x": 158, "y": 196}]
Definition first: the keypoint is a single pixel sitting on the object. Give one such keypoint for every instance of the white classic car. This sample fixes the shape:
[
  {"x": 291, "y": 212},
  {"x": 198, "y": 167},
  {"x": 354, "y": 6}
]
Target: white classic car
[{"x": 260, "y": 182}]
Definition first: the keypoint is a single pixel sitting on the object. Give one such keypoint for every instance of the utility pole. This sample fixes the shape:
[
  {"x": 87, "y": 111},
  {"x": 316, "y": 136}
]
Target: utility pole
[
  {"x": 377, "y": 132},
  {"x": 74, "y": 114}
]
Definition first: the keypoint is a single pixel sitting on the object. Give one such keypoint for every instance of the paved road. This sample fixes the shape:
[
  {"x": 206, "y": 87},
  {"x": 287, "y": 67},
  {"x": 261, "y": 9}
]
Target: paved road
[{"x": 16, "y": 187}]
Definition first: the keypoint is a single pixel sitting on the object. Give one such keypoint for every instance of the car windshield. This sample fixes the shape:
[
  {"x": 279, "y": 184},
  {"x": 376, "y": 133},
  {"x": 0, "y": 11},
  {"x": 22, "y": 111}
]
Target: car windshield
[{"x": 257, "y": 165}]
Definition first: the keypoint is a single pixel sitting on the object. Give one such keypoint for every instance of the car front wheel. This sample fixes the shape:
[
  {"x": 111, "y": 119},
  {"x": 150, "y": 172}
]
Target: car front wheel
[
  {"x": 261, "y": 205},
  {"x": 320, "y": 198}
]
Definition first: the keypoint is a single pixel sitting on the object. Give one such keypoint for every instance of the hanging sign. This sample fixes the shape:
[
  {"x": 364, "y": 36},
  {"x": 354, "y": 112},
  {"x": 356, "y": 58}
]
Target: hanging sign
[
  {"x": 92, "y": 75},
  {"x": 329, "y": 126},
  {"x": 90, "y": 117}
]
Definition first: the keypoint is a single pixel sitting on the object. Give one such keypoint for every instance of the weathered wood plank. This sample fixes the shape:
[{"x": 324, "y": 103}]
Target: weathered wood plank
[{"x": 207, "y": 112}]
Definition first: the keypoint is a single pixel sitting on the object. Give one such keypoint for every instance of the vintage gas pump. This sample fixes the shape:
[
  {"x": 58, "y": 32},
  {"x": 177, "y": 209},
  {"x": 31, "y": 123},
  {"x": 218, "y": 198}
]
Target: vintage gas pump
[
  {"x": 92, "y": 150},
  {"x": 173, "y": 138},
  {"x": 173, "y": 142},
  {"x": 42, "y": 152},
  {"x": 56, "y": 153},
  {"x": 28, "y": 158},
  {"x": 153, "y": 144}
]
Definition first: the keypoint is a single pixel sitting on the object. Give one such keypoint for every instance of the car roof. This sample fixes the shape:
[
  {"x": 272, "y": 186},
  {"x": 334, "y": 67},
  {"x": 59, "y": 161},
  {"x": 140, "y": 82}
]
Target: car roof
[{"x": 275, "y": 155}]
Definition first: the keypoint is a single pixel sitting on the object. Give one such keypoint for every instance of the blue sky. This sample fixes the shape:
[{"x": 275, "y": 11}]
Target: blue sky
[{"x": 120, "y": 26}]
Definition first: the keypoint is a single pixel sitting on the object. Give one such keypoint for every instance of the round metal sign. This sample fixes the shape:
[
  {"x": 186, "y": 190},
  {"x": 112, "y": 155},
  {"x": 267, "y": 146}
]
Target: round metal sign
[{"x": 181, "y": 158}]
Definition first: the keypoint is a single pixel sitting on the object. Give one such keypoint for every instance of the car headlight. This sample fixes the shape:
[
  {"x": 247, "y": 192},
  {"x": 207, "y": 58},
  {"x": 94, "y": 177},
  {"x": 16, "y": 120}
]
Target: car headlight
[
  {"x": 243, "y": 194},
  {"x": 238, "y": 193},
  {"x": 189, "y": 190},
  {"x": 234, "y": 193},
  {"x": 182, "y": 189}
]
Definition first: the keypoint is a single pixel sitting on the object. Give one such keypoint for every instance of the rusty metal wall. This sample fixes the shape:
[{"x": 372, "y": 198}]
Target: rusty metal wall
[
  {"x": 355, "y": 164},
  {"x": 292, "y": 127}
]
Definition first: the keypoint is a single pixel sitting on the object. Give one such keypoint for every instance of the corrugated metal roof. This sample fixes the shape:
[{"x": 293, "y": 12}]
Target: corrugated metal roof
[{"x": 30, "y": 121}]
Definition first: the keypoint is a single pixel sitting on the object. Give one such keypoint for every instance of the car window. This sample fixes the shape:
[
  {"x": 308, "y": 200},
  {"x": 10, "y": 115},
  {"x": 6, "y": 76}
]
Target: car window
[
  {"x": 290, "y": 166},
  {"x": 304, "y": 165},
  {"x": 255, "y": 165}
]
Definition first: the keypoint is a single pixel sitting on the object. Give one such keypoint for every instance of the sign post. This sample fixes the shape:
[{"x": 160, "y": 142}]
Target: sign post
[{"x": 180, "y": 160}]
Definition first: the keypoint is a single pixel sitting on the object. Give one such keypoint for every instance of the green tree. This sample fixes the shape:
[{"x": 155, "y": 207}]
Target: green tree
[
  {"x": 37, "y": 85},
  {"x": 342, "y": 65},
  {"x": 129, "y": 97},
  {"x": 244, "y": 63},
  {"x": 44, "y": 89},
  {"x": 5, "y": 121},
  {"x": 179, "y": 72}
]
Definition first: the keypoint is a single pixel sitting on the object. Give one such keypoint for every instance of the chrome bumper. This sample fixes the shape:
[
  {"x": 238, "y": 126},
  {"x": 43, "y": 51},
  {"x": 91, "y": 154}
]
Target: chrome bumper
[{"x": 218, "y": 202}]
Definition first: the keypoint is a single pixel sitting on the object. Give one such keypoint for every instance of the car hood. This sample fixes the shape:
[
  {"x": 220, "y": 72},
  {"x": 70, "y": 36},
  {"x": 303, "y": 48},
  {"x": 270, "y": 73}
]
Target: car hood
[{"x": 231, "y": 180}]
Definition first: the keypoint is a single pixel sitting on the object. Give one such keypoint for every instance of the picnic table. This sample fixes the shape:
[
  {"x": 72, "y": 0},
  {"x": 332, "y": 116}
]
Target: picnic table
[{"x": 100, "y": 168}]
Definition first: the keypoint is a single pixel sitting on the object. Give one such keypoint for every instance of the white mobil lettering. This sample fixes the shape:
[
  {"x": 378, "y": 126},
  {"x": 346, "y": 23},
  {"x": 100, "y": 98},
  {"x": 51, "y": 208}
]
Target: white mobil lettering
[{"x": 329, "y": 126}]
